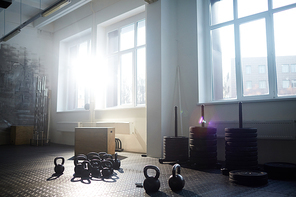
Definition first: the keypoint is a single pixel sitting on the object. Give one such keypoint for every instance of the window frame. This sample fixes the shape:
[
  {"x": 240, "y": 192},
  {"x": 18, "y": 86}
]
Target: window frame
[
  {"x": 64, "y": 72},
  {"x": 118, "y": 26},
  {"x": 206, "y": 96}
]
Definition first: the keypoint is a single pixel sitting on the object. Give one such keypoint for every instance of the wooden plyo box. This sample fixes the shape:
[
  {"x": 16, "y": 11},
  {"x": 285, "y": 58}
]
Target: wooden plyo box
[
  {"x": 21, "y": 134},
  {"x": 94, "y": 139}
]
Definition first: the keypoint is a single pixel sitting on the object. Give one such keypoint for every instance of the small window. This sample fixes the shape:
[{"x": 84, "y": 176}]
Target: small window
[
  {"x": 285, "y": 68},
  {"x": 293, "y": 68},
  {"x": 262, "y": 84},
  {"x": 286, "y": 83},
  {"x": 248, "y": 85},
  {"x": 248, "y": 69},
  {"x": 261, "y": 69},
  {"x": 293, "y": 83}
]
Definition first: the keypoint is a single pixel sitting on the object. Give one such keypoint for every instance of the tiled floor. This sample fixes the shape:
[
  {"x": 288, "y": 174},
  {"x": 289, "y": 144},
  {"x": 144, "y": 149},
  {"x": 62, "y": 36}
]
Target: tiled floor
[{"x": 28, "y": 171}]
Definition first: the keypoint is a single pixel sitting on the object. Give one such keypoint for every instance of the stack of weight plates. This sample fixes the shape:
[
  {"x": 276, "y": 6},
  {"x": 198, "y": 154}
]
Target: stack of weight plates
[
  {"x": 175, "y": 149},
  {"x": 203, "y": 147},
  {"x": 241, "y": 151}
]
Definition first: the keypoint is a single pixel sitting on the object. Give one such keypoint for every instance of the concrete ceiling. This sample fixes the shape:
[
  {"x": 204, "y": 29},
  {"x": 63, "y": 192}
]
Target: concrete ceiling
[{"x": 21, "y": 11}]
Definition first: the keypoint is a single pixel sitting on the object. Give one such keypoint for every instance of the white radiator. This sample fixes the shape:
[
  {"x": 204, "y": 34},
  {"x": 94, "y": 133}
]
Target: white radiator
[{"x": 278, "y": 129}]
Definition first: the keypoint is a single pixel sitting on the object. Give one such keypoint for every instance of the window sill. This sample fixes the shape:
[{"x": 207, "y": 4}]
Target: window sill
[
  {"x": 235, "y": 101},
  {"x": 71, "y": 111},
  {"x": 121, "y": 108}
]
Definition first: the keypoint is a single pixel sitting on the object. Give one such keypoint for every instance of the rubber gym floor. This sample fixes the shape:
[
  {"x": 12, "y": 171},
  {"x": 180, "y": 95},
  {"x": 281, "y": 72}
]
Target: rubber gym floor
[{"x": 29, "y": 171}]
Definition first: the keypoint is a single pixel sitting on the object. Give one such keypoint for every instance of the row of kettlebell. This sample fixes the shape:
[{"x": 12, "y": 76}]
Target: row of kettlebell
[
  {"x": 93, "y": 164},
  {"x": 96, "y": 164},
  {"x": 151, "y": 184}
]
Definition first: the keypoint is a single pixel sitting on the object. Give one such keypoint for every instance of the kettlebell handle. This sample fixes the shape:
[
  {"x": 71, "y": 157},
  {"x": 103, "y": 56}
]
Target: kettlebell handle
[
  {"x": 177, "y": 168},
  {"x": 153, "y": 168},
  {"x": 62, "y": 158}
]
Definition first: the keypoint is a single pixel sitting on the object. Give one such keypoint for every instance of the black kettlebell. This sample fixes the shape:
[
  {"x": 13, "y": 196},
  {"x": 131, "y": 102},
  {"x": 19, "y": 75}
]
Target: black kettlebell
[
  {"x": 116, "y": 164},
  {"x": 101, "y": 154},
  {"x": 59, "y": 168},
  {"x": 95, "y": 165},
  {"x": 85, "y": 169},
  {"x": 176, "y": 181},
  {"x": 108, "y": 157},
  {"x": 78, "y": 169},
  {"x": 107, "y": 168},
  {"x": 151, "y": 184},
  {"x": 91, "y": 155}
]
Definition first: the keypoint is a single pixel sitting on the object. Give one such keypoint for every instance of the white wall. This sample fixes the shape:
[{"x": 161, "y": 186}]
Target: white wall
[{"x": 171, "y": 43}]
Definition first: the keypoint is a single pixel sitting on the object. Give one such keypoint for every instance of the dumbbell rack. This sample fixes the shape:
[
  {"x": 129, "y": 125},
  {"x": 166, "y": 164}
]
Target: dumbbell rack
[{"x": 40, "y": 131}]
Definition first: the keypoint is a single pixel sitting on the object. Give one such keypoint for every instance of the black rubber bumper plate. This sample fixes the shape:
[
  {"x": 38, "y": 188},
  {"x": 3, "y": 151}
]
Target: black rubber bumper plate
[{"x": 248, "y": 177}]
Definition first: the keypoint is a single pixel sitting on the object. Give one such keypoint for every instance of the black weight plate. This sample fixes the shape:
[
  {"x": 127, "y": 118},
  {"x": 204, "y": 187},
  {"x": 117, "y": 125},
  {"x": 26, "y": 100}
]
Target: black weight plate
[
  {"x": 242, "y": 163},
  {"x": 238, "y": 153},
  {"x": 203, "y": 162},
  {"x": 205, "y": 148},
  {"x": 202, "y": 131},
  {"x": 248, "y": 175},
  {"x": 236, "y": 139},
  {"x": 280, "y": 167},
  {"x": 250, "y": 184},
  {"x": 240, "y": 135},
  {"x": 280, "y": 170},
  {"x": 235, "y": 167},
  {"x": 233, "y": 158},
  {"x": 208, "y": 136},
  {"x": 241, "y": 144},
  {"x": 198, "y": 142},
  {"x": 203, "y": 154},
  {"x": 240, "y": 130},
  {"x": 241, "y": 149}
]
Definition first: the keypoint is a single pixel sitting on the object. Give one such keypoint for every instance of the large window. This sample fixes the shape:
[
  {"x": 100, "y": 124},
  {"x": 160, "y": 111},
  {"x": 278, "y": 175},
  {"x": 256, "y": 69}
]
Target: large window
[
  {"x": 74, "y": 72},
  {"x": 126, "y": 64},
  {"x": 251, "y": 49}
]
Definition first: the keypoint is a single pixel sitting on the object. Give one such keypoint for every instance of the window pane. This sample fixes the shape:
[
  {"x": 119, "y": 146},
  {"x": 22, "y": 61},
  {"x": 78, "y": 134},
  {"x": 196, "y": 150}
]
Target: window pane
[
  {"x": 141, "y": 33},
  {"x": 113, "y": 41},
  {"x": 127, "y": 37},
  {"x": 141, "y": 79},
  {"x": 223, "y": 61},
  {"x": 285, "y": 42},
  {"x": 286, "y": 83},
  {"x": 249, "y": 7},
  {"x": 293, "y": 68},
  {"x": 112, "y": 74},
  {"x": 222, "y": 11},
  {"x": 126, "y": 82},
  {"x": 280, "y": 3},
  {"x": 262, "y": 69},
  {"x": 253, "y": 53}
]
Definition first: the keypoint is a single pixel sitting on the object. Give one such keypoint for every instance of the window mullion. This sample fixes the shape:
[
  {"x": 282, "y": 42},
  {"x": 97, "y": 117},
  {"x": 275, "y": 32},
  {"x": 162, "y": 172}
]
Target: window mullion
[
  {"x": 271, "y": 52},
  {"x": 238, "y": 68}
]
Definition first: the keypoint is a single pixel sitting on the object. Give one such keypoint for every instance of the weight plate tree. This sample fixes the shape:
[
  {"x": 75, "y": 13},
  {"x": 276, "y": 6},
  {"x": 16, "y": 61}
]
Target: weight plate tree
[
  {"x": 203, "y": 145},
  {"x": 241, "y": 152},
  {"x": 175, "y": 149}
]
